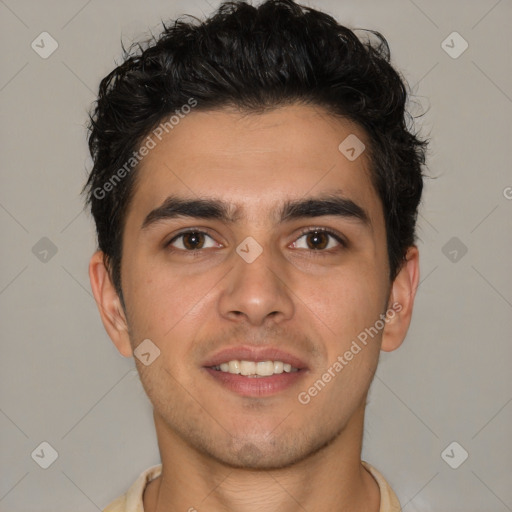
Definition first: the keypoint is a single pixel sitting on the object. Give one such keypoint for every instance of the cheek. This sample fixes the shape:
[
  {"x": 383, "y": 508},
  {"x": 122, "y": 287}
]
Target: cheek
[
  {"x": 346, "y": 303},
  {"x": 348, "y": 307},
  {"x": 162, "y": 301}
]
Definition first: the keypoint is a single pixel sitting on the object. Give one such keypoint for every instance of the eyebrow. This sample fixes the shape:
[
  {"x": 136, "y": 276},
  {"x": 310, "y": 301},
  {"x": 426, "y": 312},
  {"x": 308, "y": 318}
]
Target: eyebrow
[{"x": 216, "y": 209}]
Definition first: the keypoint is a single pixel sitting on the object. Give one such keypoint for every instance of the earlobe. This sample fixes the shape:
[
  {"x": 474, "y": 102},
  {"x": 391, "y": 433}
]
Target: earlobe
[
  {"x": 401, "y": 302},
  {"x": 109, "y": 304}
]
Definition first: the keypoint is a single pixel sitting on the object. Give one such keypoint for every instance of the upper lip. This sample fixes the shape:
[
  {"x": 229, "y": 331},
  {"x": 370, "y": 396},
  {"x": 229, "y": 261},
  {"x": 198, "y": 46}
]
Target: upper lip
[{"x": 251, "y": 353}]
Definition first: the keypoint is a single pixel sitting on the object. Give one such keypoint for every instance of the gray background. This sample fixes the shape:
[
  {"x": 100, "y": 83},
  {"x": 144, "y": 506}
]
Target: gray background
[{"x": 63, "y": 382}]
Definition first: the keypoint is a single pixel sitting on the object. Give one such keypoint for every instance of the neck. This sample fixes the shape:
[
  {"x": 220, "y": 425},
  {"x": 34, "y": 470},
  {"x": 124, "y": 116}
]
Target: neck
[{"x": 333, "y": 478}]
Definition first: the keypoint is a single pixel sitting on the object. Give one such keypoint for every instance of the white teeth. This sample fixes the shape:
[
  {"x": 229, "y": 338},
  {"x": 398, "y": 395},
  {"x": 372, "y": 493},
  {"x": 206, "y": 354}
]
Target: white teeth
[
  {"x": 255, "y": 368},
  {"x": 247, "y": 367},
  {"x": 278, "y": 366},
  {"x": 234, "y": 367},
  {"x": 265, "y": 368}
]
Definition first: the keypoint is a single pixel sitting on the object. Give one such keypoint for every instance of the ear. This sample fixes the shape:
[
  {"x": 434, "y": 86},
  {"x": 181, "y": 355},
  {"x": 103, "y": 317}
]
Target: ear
[
  {"x": 401, "y": 301},
  {"x": 109, "y": 304}
]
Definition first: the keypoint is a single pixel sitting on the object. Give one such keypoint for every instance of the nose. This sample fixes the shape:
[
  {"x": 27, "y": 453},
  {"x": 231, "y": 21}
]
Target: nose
[{"x": 256, "y": 291}]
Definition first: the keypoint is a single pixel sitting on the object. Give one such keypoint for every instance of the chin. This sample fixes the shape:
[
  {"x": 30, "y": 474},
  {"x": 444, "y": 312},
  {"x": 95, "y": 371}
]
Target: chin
[{"x": 266, "y": 454}]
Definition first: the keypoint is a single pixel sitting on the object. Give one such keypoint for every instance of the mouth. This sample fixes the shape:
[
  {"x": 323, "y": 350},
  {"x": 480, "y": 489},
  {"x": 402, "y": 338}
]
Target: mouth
[
  {"x": 255, "y": 368},
  {"x": 249, "y": 371}
]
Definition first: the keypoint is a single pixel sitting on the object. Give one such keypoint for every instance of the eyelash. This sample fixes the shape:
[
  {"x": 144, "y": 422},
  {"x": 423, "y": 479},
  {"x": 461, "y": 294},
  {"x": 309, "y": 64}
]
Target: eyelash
[{"x": 305, "y": 231}]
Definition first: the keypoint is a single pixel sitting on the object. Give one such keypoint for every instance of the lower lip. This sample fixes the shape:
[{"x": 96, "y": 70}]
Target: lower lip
[{"x": 256, "y": 386}]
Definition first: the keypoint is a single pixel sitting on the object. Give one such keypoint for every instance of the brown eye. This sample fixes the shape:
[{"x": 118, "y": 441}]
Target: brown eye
[
  {"x": 192, "y": 240},
  {"x": 318, "y": 240}
]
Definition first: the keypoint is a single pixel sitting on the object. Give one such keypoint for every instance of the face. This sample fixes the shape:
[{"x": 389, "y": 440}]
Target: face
[{"x": 283, "y": 262}]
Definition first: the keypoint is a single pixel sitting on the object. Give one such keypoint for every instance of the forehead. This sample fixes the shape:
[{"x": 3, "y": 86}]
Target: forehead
[{"x": 256, "y": 161}]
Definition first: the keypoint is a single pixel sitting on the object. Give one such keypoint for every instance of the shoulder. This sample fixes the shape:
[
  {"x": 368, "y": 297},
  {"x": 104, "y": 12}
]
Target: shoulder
[
  {"x": 132, "y": 500},
  {"x": 388, "y": 499},
  {"x": 118, "y": 505}
]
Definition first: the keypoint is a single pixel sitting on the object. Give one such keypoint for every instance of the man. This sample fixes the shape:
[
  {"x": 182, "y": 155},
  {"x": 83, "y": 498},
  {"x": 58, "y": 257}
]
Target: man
[{"x": 255, "y": 191}]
